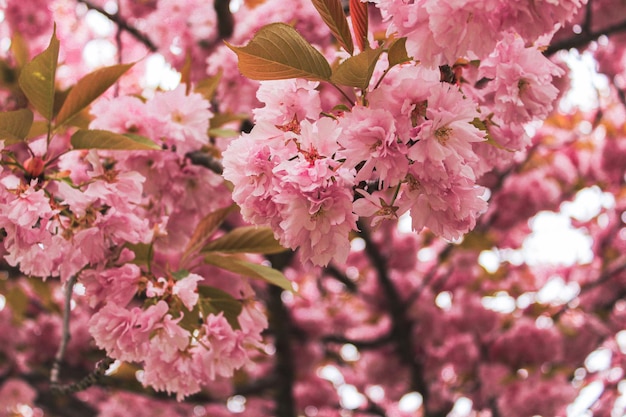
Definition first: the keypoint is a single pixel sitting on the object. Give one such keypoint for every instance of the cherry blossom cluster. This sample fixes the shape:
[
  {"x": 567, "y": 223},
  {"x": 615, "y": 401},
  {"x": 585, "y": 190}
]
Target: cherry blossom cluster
[
  {"x": 440, "y": 32},
  {"x": 80, "y": 215},
  {"x": 414, "y": 142},
  {"x": 394, "y": 312}
]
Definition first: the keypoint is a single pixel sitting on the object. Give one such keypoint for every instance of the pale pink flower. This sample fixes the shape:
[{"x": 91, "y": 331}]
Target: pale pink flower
[
  {"x": 169, "y": 339},
  {"x": 521, "y": 81},
  {"x": 440, "y": 32},
  {"x": 318, "y": 222},
  {"x": 183, "y": 119},
  {"x": 125, "y": 334},
  {"x": 377, "y": 205},
  {"x": 447, "y": 134},
  {"x": 288, "y": 100},
  {"x": 221, "y": 351},
  {"x": 448, "y": 208},
  {"x": 369, "y": 136},
  {"x": 115, "y": 285},
  {"x": 124, "y": 114},
  {"x": 187, "y": 290},
  {"x": 179, "y": 375},
  {"x": 29, "y": 206}
]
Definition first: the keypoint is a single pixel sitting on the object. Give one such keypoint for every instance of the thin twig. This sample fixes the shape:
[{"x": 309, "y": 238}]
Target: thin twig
[
  {"x": 91, "y": 379},
  {"x": 584, "y": 39},
  {"x": 65, "y": 337},
  {"x": 360, "y": 344},
  {"x": 122, "y": 24},
  {"x": 205, "y": 160}
]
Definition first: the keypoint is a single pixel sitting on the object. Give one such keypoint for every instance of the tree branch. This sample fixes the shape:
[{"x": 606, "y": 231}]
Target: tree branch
[
  {"x": 401, "y": 327},
  {"x": 360, "y": 344},
  {"x": 122, "y": 24},
  {"x": 584, "y": 38},
  {"x": 65, "y": 336},
  {"x": 280, "y": 325}
]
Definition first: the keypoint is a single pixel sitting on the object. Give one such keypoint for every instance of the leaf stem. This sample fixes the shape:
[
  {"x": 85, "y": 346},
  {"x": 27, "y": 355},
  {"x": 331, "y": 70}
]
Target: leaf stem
[{"x": 343, "y": 93}]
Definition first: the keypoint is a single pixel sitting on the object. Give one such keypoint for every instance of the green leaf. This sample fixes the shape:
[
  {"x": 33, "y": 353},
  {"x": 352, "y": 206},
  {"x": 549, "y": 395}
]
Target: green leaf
[
  {"x": 38, "y": 128},
  {"x": 178, "y": 275},
  {"x": 205, "y": 229},
  {"x": 332, "y": 14},
  {"x": 397, "y": 52},
  {"x": 17, "y": 300},
  {"x": 19, "y": 48},
  {"x": 359, "y": 17},
  {"x": 248, "y": 269},
  {"x": 143, "y": 253},
  {"x": 213, "y": 300},
  {"x": 191, "y": 319},
  {"x": 87, "y": 89},
  {"x": 224, "y": 133},
  {"x": 357, "y": 70},
  {"x": 278, "y": 52},
  {"x": 37, "y": 79},
  {"x": 221, "y": 119},
  {"x": 103, "y": 139},
  {"x": 15, "y": 125},
  {"x": 208, "y": 86},
  {"x": 247, "y": 239}
]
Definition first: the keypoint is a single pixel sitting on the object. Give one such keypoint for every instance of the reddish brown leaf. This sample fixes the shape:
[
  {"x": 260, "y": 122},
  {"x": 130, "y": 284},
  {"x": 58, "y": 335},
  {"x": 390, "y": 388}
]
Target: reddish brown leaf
[{"x": 359, "y": 16}]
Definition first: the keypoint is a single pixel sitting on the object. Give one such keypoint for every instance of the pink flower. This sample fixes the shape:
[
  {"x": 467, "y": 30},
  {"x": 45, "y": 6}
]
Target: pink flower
[
  {"x": 448, "y": 207},
  {"x": 169, "y": 339},
  {"x": 369, "y": 136},
  {"x": 288, "y": 100},
  {"x": 187, "y": 290},
  {"x": 440, "y": 32},
  {"x": 318, "y": 222},
  {"x": 115, "y": 285},
  {"x": 446, "y": 136},
  {"x": 221, "y": 351},
  {"x": 13, "y": 393},
  {"x": 521, "y": 81},
  {"x": 183, "y": 119},
  {"x": 125, "y": 334},
  {"x": 179, "y": 375},
  {"x": 29, "y": 206},
  {"x": 124, "y": 114}
]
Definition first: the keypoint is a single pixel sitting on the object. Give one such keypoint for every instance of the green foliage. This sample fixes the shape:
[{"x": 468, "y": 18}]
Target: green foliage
[
  {"x": 248, "y": 269},
  {"x": 103, "y": 139},
  {"x": 37, "y": 79},
  {"x": 333, "y": 15},
  {"x": 278, "y": 52},
  {"x": 205, "y": 229},
  {"x": 397, "y": 52},
  {"x": 248, "y": 239},
  {"x": 15, "y": 125},
  {"x": 213, "y": 300},
  {"x": 357, "y": 70},
  {"x": 87, "y": 89}
]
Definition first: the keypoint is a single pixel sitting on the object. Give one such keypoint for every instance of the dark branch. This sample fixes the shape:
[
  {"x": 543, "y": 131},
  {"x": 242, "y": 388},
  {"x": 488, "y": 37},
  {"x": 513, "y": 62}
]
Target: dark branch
[
  {"x": 281, "y": 327},
  {"x": 584, "y": 39},
  {"x": 360, "y": 344},
  {"x": 341, "y": 277},
  {"x": 122, "y": 24},
  {"x": 205, "y": 160},
  {"x": 86, "y": 382},
  {"x": 65, "y": 336}
]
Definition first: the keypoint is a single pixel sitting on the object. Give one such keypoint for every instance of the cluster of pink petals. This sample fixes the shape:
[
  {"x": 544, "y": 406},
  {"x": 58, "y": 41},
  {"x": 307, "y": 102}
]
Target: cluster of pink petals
[
  {"x": 440, "y": 32},
  {"x": 177, "y": 119}
]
